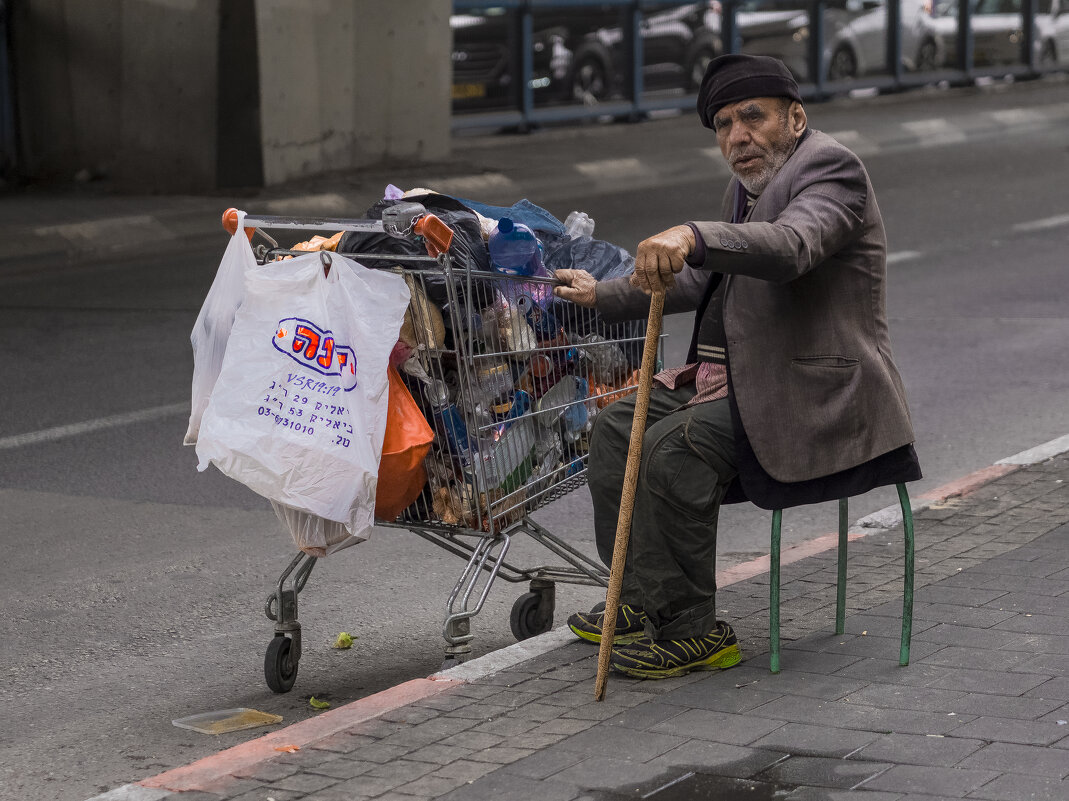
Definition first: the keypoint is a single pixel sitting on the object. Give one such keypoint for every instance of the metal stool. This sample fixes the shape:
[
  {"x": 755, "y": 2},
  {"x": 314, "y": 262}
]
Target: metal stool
[{"x": 840, "y": 599}]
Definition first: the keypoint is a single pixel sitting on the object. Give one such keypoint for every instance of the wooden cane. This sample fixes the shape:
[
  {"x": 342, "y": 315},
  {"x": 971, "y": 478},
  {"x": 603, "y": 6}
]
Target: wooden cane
[{"x": 627, "y": 500}]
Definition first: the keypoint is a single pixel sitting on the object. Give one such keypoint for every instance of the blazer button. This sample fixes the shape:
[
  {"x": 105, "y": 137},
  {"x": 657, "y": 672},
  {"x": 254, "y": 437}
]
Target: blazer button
[
  {"x": 725, "y": 243},
  {"x": 745, "y": 244}
]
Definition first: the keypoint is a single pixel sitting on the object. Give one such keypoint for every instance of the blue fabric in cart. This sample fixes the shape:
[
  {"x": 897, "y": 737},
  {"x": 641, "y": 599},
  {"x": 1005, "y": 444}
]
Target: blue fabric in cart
[{"x": 524, "y": 211}]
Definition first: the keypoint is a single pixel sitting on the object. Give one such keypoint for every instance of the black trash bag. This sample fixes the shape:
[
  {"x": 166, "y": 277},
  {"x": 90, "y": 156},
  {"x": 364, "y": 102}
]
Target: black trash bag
[
  {"x": 601, "y": 259},
  {"x": 468, "y": 251}
]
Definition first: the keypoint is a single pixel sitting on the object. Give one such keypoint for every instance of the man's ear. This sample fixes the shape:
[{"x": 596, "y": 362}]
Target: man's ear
[{"x": 796, "y": 119}]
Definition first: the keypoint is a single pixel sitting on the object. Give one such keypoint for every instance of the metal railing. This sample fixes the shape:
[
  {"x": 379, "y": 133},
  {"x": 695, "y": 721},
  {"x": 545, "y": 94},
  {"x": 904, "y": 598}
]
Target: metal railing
[{"x": 525, "y": 31}]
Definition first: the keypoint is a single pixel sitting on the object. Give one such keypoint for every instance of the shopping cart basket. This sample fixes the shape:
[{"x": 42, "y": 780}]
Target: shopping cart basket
[{"x": 511, "y": 379}]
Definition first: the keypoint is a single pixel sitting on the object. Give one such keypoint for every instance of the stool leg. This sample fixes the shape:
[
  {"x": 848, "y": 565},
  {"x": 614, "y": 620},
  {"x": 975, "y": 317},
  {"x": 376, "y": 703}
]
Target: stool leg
[
  {"x": 773, "y": 594},
  {"x": 907, "y": 579},
  {"x": 840, "y": 584}
]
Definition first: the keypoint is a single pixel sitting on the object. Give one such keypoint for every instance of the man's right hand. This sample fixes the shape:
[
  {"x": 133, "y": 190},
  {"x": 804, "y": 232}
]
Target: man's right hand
[{"x": 578, "y": 286}]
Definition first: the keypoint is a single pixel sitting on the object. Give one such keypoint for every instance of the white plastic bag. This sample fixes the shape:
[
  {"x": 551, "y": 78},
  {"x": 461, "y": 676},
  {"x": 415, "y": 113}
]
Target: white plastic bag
[
  {"x": 216, "y": 318},
  {"x": 314, "y": 535},
  {"x": 298, "y": 412}
]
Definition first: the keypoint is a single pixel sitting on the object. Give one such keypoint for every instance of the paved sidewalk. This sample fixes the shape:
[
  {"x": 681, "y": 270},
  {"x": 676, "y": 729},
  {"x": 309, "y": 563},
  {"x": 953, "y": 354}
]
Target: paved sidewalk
[{"x": 981, "y": 711}]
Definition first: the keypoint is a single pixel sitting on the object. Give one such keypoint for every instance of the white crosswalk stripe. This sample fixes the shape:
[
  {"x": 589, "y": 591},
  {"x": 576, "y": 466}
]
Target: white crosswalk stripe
[
  {"x": 937, "y": 131},
  {"x": 89, "y": 426},
  {"x": 1043, "y": 224}
]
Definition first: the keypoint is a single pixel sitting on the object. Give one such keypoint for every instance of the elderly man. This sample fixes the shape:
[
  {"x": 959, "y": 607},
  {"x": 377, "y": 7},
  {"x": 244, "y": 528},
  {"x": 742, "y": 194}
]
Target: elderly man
[{"x": 790, "y": 394}]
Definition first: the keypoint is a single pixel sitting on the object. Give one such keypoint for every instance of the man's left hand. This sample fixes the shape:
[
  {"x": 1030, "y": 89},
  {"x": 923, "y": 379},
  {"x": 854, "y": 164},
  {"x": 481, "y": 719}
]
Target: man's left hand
[{"x": 660, "y": 257}]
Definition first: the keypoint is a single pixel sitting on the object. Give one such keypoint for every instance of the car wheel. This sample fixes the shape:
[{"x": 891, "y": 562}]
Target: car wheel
[
  {"x": 843, "y": 65},
  {"x": 698, "y": 66},
  {"x": 590, "y": 80},
  {"x": 1048, "y": 56},
  {"x": 926, "y": 56}
]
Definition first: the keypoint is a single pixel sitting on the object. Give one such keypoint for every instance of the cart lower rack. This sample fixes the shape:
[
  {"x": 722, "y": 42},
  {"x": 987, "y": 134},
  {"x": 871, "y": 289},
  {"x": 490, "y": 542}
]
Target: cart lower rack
[{"x": 511, "y": 379}]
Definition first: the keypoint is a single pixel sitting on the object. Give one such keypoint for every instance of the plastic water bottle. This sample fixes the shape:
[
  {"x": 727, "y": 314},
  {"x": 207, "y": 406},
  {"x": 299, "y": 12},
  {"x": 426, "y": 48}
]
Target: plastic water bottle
[
  {"x": 579, "y": 223},
  {"x": 516, "y": 251},
  {"x": 450, "y": 422},
  {"x": 576, "y": 417}
]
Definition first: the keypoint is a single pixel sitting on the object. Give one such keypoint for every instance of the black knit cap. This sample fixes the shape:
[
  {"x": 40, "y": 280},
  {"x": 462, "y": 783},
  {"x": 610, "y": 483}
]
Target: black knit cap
[{"x": 731, "y": 78}]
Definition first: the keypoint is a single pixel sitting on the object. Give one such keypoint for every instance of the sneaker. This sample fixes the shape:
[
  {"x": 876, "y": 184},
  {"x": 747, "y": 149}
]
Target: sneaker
[
  {"x": 630, "y": 625},
  {"x": 660, "y": 659}
]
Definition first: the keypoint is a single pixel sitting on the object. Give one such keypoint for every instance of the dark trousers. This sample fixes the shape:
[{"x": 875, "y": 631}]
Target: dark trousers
[{"x": 688, "y": 460}]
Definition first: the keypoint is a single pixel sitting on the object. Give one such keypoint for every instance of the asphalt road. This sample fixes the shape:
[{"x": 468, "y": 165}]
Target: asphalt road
[{"x": 134, "y": 585}]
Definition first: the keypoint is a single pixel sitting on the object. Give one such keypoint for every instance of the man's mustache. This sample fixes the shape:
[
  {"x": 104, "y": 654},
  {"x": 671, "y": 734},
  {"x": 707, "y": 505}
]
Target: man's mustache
[{"x": 746, "y": 154}]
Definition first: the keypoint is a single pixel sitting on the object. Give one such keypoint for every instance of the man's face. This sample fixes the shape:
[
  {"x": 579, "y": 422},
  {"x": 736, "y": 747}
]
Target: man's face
[{"x": 757, "y": 136}]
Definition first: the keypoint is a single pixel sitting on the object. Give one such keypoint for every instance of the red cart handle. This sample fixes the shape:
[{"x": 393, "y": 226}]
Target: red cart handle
[
  {"x": 437, "y": 236},
  {"x": 230, "y": 223}
]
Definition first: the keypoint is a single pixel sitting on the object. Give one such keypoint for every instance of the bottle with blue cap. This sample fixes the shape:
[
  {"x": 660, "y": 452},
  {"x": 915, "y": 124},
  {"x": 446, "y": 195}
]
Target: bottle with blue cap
[{"x": 516, "y": 251}]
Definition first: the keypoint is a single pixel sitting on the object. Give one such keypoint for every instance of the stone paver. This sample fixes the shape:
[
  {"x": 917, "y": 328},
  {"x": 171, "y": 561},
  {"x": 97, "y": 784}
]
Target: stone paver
[{"x": 979, "y": 713}]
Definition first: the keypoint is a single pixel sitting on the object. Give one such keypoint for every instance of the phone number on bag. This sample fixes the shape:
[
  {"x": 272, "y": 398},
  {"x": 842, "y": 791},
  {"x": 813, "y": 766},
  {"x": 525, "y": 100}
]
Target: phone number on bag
[
  {"x": 285, "y": 422},
  {"x": 321, "y": 417}
]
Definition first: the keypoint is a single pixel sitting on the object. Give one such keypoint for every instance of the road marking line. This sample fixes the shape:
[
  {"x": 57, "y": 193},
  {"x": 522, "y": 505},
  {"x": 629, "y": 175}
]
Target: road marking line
[
  {"x": 629, "y": 167},
  {"x": 108, "y": 231},
  {"x": 1018, "y": 116},
  {"x": 471, "y": 185},
  {"x": 1041, "y": 225},
  {"x": 934, "y": 132},
  {"x": 852, "y": 139},
  {"x": 88, "y": 426},
  {"x": 325, "y": 203},
  {"x": 714, "y": 155},
  {"x": 903, "y": 255}
]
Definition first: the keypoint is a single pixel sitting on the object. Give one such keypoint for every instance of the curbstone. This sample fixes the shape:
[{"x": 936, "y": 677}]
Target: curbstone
[{"x": 541, "y": 718}]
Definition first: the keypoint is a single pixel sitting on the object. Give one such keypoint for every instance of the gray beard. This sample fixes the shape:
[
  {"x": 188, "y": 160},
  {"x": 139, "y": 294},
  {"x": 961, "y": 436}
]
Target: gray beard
[{"x": 756, "y": 183}]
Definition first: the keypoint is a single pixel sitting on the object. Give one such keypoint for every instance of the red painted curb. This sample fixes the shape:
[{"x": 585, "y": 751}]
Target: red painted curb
[
  {"x": 954, "y": 489},
  {"x": 211, "y": 770},
  {"x": 793, "y": 553},
  {"x": 969, "y": 484}
]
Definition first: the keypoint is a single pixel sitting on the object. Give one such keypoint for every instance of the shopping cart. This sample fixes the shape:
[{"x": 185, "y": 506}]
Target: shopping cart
[{"x": 511, "y": 379}]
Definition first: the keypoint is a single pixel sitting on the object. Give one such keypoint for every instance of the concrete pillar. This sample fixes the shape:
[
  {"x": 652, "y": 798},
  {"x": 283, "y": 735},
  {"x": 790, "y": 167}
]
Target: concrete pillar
[
  {"x": 168, "y": 103},
  {"x": 189, "y": 95},
  {"x": 122, "y": 88},
  {"x": 350, "y": 83}
]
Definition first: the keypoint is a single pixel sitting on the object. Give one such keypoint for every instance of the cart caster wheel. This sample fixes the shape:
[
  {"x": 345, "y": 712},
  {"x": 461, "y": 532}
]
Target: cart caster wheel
[
  {"x": 280, "y": 670},
  {"x": 525, "y": 618}
]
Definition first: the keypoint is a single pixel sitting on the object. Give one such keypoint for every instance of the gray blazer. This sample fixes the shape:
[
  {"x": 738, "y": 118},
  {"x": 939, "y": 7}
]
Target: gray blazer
[{"x": 804, "y": 312}]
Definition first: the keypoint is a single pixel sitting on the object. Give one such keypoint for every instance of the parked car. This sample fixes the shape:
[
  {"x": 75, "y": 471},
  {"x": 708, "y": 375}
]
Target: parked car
[
  {"x": 678, "y": 43},
  {"x": 855, "y": 35},
  {"x": 860, "y": 46},
  {"x": 579, "y": 53},
  {"x": 1055, "y": 15},
  {"x": 998, "y": 32},
  {"x": 482, "y": 61}
]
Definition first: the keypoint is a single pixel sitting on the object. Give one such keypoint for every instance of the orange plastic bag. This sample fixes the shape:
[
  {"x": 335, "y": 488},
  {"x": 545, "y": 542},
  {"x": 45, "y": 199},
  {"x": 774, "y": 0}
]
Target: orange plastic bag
[{"x": 408, "y": 438}]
